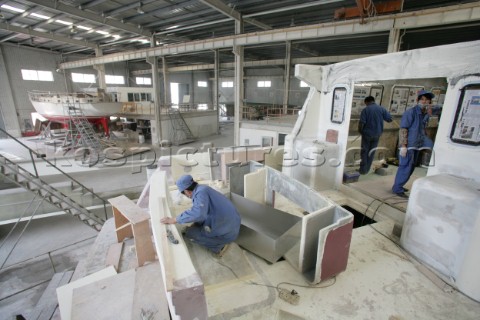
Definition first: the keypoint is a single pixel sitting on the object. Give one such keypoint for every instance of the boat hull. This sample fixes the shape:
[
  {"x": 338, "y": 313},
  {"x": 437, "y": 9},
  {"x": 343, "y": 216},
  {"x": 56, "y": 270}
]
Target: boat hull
[{"x": 59, "y": 112}]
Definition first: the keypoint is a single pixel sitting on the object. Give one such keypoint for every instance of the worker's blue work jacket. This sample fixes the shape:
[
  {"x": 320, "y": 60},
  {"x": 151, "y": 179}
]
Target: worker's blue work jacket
[
  {"x": 372, "y": 118},
  {"x": 415, "y": 122},
  {"x": 213, "y": 211}
]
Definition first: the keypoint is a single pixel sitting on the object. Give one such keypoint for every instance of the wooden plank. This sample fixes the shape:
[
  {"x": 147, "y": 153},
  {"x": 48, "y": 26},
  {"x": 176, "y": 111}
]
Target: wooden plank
[
  {"x": 129, "y": 209},
  {"x": 113, "y": 255},
  {"x": 105, "y": 299},
  {"x": 48, "y": 302},
  {"x": 133, "y": 221},
  {"x": 120, "y": 221},
  {"x": 143, "y": 242},
  {"x": 65, "y": 293},
  {"x": 148, "y": 301},
  {"x": 186, "y": 298},
  {"x": 169, "y": 274}
]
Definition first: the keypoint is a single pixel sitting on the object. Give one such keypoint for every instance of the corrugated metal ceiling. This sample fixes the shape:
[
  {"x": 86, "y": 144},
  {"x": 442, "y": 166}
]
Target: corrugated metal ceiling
[{"x": 76, "y": 26}]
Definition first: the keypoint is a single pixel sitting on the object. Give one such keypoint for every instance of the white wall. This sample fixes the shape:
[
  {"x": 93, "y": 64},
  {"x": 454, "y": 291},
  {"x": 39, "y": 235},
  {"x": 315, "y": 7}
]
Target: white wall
[
  {"x": 448, "y": 156},
  {"x": 435, "y": 62},
  {"x": 17, "y": 59}
]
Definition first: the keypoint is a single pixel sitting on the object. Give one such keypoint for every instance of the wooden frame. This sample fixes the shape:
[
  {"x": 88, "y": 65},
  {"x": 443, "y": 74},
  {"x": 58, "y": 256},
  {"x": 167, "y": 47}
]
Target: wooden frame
[{"x": 131, "y": 221}]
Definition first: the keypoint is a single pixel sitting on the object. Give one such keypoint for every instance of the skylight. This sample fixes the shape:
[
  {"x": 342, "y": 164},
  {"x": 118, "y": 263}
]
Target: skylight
[
  {"x": 6, "y": 6},
  {"x": 64, "y": 22},
  {"x": 41, "y": 16}
]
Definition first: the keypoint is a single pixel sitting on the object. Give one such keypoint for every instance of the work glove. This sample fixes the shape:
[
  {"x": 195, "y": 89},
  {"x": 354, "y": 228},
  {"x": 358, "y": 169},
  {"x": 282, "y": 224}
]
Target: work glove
[{"x": 403, "y": 152}]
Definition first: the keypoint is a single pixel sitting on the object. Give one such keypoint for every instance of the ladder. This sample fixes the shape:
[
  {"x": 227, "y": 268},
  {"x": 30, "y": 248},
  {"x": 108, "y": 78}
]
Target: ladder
[
  {"x": 23, "y": 178},
  {"x": 181, "y": 133},
  {"x": 81, "y": 134}
]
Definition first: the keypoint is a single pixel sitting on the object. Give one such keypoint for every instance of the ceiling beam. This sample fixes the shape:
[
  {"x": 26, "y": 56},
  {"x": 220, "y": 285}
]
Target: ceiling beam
[
  {"x": 232, "y": 13},
  {"x": 261, "y": 63},
  {"x": 415, "y": 19},
  {"x": 163, "y": 10},
  {"x": 61, "y": 7},
  {"x": 90, "y": 4},
  {"x": 223, "y": 8},
  {"x": 27, "y": 31}
]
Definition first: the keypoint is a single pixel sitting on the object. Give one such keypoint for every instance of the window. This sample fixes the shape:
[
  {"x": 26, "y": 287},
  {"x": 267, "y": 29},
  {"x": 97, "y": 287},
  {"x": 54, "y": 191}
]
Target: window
[
  {"x": 264, "y": 84},
  {"x": 466, "y": 127},
  {"x": 144, "y": 81},
  {"x": 114, "y": 79},
  {"x": 338, "y": 105},
  {"x": 202, "y": 106},
  {"x": 202, "y": 84},
  {"x": 37, "y": 75},
  {"x": 83, "y": 77},
  {"x": 227, "y": 84},
  {"x": 303, "y": 84}
]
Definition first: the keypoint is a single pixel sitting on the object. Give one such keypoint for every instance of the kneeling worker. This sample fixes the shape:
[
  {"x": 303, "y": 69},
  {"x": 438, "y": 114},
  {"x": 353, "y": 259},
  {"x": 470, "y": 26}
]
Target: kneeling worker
[{"x": 216, "y": 221}]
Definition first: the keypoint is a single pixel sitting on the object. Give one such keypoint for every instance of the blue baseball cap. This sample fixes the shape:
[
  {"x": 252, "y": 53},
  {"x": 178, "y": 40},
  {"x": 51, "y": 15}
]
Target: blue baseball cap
[
  {"x": 184, "y": 182},
  {"x": 425, "y": 93}
]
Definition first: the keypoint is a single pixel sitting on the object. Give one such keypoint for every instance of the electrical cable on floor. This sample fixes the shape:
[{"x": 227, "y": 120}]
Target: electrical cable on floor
[
  {"x": 21, "y": 234},
  {"x": 277, "y": 287},
  {"x": 382, "y": 203},
  {"x": 366, "y": 210},
  {"x": 17, "y": 222}
]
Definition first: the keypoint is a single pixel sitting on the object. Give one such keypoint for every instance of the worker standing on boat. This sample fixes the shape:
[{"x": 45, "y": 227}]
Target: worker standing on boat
[
  {"x": 412, "y": 139},
  {"x": 216, "y": 221},
  {"x": 370, "y": 127}
]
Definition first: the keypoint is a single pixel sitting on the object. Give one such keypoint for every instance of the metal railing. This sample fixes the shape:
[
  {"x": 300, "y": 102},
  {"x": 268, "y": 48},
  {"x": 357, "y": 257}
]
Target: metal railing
[
  {"x": 73, "y": 97},
  {"x": 42, "y": 157}
]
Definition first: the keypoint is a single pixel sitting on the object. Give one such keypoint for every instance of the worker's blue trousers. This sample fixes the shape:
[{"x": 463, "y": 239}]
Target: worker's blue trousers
[
  {"x": 407, "y": 165},
  {"x": 369, "y": 144},
  {"x": 200, "y": 235}
]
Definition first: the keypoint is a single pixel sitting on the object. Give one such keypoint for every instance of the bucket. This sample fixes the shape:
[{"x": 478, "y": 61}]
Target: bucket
[{"x": 141, "y": 138}]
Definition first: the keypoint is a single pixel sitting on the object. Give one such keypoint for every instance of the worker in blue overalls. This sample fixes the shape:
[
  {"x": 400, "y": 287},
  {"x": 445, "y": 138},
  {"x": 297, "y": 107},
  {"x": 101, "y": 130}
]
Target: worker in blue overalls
[
  {"x": 216, "y": 221},
  {"x": 412, "y": 139},
  {"x": 370, "y": 127}
]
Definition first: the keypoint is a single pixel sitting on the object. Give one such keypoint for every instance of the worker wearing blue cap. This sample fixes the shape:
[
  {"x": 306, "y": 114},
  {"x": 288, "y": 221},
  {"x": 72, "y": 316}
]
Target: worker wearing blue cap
[
  {"x": 412, "y": 139},
  {"x": 215, "y": 219}
]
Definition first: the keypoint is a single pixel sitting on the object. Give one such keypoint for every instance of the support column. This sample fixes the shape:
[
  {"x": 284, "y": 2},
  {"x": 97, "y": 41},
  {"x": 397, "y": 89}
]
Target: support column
[
  {"x": 394, "y": 40},
  {"x": 216, "y": 80},
  {"x": 239, "y": 94},
  {"x": 8, "y": 118},
  {"x": 288, "y": 64},
  {"x": 166, "y": 84},
  {"x": 157, "y": 134},
  {"x": 100, "y": 70},
  {"x": 191, "y": 102}
]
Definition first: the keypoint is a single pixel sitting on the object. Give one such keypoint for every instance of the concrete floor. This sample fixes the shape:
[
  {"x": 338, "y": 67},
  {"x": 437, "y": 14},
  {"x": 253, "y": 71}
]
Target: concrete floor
[{"x": 381, "y": 280}]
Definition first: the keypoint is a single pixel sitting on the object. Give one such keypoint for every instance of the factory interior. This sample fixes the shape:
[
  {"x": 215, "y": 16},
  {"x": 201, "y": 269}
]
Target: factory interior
[{"x": 106, "y": 105}]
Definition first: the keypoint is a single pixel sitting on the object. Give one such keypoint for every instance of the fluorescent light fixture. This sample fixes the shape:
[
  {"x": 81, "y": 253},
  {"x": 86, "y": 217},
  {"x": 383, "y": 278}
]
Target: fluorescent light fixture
[
  {"x": 41, "y": 16},
  {"x": 105, "y": 33},
  {"x": 84, "y": 28},
  {"x": 6, "y": 6},
  {"x": 64, "y": 22},
  {"x": 144, "y": 41},
  {"x": 116, "y": 36},
  {"x": 172, "y": 27}
]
